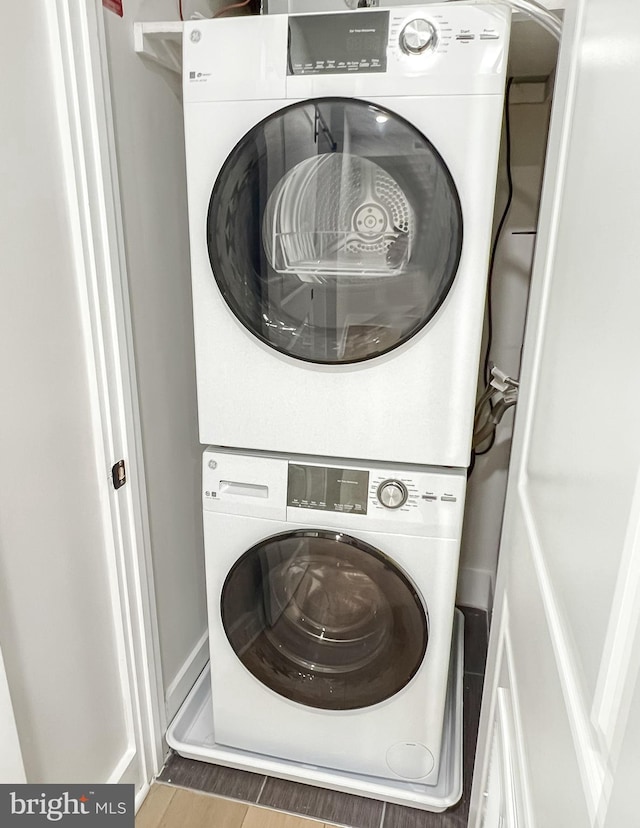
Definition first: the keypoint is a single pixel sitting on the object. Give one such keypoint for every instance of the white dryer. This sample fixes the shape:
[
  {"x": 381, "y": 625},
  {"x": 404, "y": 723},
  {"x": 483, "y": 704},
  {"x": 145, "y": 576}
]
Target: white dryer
[
  {"x": 341, "y": 172},
  {"x": 330, "y": 588}
]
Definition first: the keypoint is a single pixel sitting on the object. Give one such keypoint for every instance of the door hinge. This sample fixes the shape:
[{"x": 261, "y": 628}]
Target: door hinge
[{"x": 119, "y": 474}]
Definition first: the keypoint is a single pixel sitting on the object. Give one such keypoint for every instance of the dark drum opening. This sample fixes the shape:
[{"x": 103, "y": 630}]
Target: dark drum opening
[
  {"x": 334, "y": 231},
  {"x": 324, "y": 620}
]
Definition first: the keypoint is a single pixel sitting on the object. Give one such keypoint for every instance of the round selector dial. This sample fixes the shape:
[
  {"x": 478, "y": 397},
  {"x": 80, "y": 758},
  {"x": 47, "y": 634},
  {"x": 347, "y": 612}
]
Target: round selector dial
[
  {"x": 392, "y": 494},
  {"x": 418, "y": 36}
]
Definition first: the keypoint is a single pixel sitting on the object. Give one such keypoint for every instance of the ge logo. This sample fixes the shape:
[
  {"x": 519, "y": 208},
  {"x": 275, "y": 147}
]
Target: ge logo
[{"x": 196, "y": 34}]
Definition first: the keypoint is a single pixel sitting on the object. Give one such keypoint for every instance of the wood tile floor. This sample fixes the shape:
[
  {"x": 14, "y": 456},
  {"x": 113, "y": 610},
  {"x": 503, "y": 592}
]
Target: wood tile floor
[
  {"x": 168, "y": 807},
  {"x": 192, "y": 794}
]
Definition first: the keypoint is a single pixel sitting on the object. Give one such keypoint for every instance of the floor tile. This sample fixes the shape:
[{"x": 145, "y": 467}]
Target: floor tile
[
  {"x": 471, "y": 718},
  {"x": 332, "y": 806},
  {"x": 214, "y": 779},
  {"x": 264, "y": 818},
  {"x": 154, "y": 806},
  {"x": 188, "y": 809},
  {"x": 397, "y": 816},
  {"x": 475, "y": 640}
]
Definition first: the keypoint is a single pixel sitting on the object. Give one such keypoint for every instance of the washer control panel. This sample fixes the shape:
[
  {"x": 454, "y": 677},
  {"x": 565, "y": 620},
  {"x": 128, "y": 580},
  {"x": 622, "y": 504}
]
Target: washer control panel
[
  {"x": 380, "y": 496},
  {"x": 409, "y": 500},
  {"x": 345, "y": 494}
]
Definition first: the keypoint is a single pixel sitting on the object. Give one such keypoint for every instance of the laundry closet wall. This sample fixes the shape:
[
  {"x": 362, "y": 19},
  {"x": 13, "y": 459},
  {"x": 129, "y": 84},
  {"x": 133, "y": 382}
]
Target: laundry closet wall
[
  {"x": 148, "y": 128},
  {"x": 510, "y": 291}
]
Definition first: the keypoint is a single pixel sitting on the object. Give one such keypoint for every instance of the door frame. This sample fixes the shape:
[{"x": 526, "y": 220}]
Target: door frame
[
  {"x": 86, "y": 126},
  {"x": 499, "y": 671}
]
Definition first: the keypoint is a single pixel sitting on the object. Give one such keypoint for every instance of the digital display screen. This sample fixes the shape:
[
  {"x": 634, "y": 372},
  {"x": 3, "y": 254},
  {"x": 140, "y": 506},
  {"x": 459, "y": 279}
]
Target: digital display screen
[
  {"x": 326, "y": 44},
  {"x": 328, "y": 489}
]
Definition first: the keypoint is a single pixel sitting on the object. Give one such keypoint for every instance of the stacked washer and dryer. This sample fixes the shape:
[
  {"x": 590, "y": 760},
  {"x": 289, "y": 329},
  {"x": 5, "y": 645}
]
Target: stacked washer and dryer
[{"x": 341, "y": 172}]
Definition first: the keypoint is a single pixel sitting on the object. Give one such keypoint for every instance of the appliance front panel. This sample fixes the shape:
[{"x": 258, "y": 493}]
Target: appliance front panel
[
  {"x": 412, "y": 404},
  {"x": 250, "y": 715}
]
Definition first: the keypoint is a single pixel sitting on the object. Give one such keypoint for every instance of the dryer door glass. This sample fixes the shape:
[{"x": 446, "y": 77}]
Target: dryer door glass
[
  {"x": 324, "y": 619},
  {"x": 334, "y": 231}
]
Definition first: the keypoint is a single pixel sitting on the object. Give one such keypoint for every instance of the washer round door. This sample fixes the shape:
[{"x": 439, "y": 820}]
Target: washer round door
[
  {"x": 334, "y": 231},
  {"x": 324, "y": 619}
]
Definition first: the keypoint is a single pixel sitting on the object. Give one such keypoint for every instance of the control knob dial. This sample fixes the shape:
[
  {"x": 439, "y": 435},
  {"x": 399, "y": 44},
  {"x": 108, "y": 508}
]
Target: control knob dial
[
  {"x": 418, "y": 36},
  {"x": 392, "y": 494}
]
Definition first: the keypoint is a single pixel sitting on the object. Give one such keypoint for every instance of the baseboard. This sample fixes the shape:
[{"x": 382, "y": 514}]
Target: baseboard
[
  {"x": 475, "y": 589},
  {"x": 125, "y": 770},
  {"x": 186, "y": 677}
]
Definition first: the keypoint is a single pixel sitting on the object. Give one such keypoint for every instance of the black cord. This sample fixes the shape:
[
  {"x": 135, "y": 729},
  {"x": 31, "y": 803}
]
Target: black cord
[
  {"x": 472, "y": 464},
  {"x": 492, "y": 441},
  {"x": 503, "y": 218},
  {"x": 492, "y": 261}
]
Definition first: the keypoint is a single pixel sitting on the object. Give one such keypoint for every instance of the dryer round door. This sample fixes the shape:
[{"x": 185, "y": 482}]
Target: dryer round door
[
  {"x": 324, "y": 619},
  {"x": 334, "y": 231}
]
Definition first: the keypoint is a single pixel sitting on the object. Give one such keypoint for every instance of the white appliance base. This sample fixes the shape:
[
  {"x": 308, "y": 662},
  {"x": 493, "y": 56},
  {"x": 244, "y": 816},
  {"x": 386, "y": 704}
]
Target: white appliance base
[{"x": 191, "y": 734}]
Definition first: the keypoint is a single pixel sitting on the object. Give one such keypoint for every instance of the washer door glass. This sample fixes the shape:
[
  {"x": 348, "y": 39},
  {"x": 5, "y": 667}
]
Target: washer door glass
[
  {"x": 334, "y": 230},
  {"x": 324, "y": 619}
]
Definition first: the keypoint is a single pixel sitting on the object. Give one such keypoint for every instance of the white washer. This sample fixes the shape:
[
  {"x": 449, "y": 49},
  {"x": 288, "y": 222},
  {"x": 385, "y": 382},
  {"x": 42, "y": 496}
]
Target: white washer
[
  {"x": 341, "y": 172},
  {"x": 330, "y": 613}
]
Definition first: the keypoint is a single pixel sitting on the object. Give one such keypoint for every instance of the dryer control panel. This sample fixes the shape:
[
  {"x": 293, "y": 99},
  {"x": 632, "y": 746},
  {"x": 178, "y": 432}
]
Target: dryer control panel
[
  {"x": 353, "y": 42},
  {"x": 437, "y": 49}
]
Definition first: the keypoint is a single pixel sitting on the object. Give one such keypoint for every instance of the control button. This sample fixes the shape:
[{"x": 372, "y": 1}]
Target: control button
[
  {"x": 429, "y": 496},
  {"x": 449, "y": 498},
  {"x": 418, "y": 36},
  {"x": 392, "y": 494}
]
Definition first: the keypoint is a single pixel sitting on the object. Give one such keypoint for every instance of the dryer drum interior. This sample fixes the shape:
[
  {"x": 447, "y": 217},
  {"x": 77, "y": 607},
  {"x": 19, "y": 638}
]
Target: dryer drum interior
[
  {"x": 334, "y": 230},
  {"x": 324, "y": 619}
]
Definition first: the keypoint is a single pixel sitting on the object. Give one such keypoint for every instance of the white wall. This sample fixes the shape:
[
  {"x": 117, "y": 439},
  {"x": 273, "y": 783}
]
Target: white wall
[
  {"x": 487, "y": 484},
  {"x": 58, "y": 625},
  {"x": 148, "y": 124}
]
